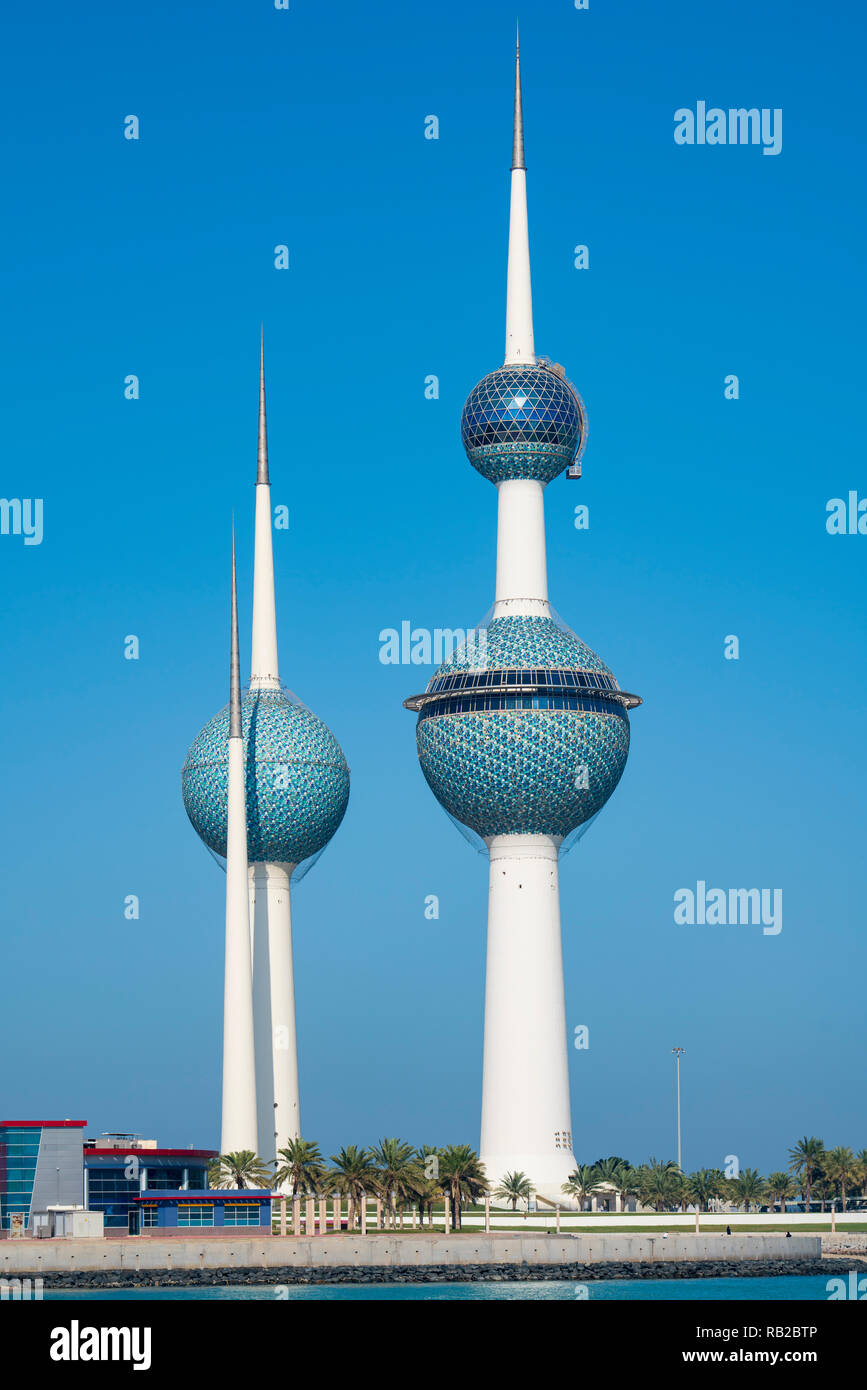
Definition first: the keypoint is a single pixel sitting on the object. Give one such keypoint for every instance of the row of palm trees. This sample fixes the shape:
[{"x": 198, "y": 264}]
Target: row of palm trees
[
  {"x": 837, "y": 1173},
  {"x": 402, "y": 1176},
  {"x": 394, "y": 1172}
]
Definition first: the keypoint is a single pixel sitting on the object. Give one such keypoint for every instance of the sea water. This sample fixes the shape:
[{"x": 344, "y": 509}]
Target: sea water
[{"x": 779, "y": 1289}]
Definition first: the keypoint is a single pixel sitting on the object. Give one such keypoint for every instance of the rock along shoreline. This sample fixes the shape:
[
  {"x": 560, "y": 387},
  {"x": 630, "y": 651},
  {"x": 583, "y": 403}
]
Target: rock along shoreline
[{"x": 438, "y": 1274}]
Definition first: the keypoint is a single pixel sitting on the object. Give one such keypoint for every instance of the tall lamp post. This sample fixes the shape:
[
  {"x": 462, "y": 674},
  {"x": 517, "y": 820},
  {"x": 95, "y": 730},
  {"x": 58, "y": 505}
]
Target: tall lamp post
[{"x": 678, "y": 1053}]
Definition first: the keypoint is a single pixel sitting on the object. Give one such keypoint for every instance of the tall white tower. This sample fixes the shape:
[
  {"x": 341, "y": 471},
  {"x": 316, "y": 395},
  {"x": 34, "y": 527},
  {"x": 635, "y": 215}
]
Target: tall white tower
[
  {"x": 297, "y": 789},
  {"x": 523, "y": 735},
  {"x": 240, "y": 1121},
  {"x": 270, "y": 896}
]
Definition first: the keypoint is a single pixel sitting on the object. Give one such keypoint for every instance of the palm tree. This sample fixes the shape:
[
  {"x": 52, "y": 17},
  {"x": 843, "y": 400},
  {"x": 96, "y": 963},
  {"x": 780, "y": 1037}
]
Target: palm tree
[
  {"x": 749, "y": 1187},
  {"x": 681, "y": 1191},
  {"x": 626, "y": 1182},
  {"x": 303, "y": 1166},
  {"x": 861, "y": 1180},
  {"x": 659, "y": 1184},
  {"x": 702, "y": 1186},
  {"x": 804, "y": 1160},
  {"x": 397, "y": 1168},
  {"x": 352, "y": 1175},
  {"x": 462, "y": 1178},
  {"x": 514, "y": 1186},
  {"x": 822, "y": 1181},
  {"x": 214, "y": 1166},
  {"x": 842, "y": 1167},
  {"x": 243, "y": 1169},
  {"x": 425, "y": 1185},
  {"x": 611, "y": 1172},
  {"x": 581, "y": 1183},
  {"x": 781, "y": 1185}
]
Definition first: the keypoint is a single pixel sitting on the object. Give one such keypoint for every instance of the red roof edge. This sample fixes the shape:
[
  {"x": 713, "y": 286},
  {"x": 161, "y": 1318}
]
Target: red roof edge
[
  {"x": 43, "y": 1124},
  {"x": 154, "y": 1153}
]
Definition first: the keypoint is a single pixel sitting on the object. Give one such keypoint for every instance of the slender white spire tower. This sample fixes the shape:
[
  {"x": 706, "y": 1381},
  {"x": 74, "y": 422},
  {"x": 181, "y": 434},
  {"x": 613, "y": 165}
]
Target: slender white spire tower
[
  {"x": 265, "y": 671},
  {"x": 297, "y": 789},
  {"x": 519, "y": 296},
  {"x": 270, "y": 896},
  {"x": 523, "y": 736},
  {"x": 239, "y": 1129}
]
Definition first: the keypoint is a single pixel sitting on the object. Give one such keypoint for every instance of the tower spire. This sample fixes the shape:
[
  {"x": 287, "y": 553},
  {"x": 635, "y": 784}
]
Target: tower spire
[
  {"x": 519, "y": 298},
  {"x": 262, "y": 460},
  {"x": 264, "y": 672},
  {"x": 234, "y": 660},
  {"x": 239, "y": 1126},
  {"x": 518, "y": 118}
]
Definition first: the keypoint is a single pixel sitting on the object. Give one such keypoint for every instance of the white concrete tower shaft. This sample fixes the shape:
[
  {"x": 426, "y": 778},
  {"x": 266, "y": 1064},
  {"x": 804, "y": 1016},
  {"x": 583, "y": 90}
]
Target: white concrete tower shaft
[
  {"x": 526, "y": 1112},
  {"x": 274, "y": 1003},
  {"x": 239, "y": 1124},
  {"x": 269, "y": 884},
  {"x": 522, "y": 579},
  {"x": 264, "y": 671}
]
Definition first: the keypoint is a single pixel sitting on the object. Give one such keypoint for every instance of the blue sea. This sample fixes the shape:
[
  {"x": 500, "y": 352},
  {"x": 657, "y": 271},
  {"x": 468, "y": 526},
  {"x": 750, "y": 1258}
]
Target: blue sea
[{"x": 776, "y": 1290}]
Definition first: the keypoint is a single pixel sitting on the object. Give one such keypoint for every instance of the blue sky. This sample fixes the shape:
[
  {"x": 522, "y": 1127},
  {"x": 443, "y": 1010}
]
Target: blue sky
[{"x": 707, "y": 518}]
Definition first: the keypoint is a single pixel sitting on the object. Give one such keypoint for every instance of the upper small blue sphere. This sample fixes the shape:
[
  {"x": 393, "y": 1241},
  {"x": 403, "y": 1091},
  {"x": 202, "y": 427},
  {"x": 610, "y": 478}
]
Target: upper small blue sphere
[
  {"x": 297, "y": 780},
  {"x": 522, "y": 422}
]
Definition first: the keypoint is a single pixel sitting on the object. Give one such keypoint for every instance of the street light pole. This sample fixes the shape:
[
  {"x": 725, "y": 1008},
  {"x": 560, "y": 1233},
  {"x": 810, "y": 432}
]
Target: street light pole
[{"x": 678, "y": 1053}]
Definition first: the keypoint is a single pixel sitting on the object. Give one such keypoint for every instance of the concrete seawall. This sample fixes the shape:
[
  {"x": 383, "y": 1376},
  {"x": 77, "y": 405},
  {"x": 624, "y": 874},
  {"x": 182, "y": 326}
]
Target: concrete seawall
[
  {"x": 412, "y": 1251},
  {"x": 844, "y": 1244}
]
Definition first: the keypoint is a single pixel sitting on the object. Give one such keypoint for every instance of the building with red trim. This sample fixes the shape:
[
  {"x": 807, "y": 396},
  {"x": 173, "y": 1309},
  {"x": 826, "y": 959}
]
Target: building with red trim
[{"x": 48, "y": 1163}]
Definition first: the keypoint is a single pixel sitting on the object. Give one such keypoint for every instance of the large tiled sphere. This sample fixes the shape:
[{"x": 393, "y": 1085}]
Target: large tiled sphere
[
  {"x": 520, "y": 763},
  {"x": 522, "y": 422},
  {"x": 296, "y": 776}
]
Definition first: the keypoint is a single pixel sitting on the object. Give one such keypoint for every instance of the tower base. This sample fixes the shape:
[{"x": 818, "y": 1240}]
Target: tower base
[
  {"x": 526, "y": 1120},
  {"x": 547, "y": 1172}
]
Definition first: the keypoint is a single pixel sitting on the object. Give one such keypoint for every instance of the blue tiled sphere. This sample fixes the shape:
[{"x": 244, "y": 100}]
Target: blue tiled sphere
[
  {"x": 522, "y": 422},
  {"x": 297, "y": 780},
  {"x": 516, "y": 763}
]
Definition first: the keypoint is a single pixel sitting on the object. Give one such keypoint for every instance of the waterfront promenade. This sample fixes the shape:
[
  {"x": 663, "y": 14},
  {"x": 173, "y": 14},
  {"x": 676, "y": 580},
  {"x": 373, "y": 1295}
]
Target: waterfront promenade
[{"x": 409, "y": 1253}]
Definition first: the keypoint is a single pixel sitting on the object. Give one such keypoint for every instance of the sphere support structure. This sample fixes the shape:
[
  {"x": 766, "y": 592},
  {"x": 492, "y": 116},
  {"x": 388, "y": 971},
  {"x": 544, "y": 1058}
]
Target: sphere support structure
[{"x": 279, "y": 1107}]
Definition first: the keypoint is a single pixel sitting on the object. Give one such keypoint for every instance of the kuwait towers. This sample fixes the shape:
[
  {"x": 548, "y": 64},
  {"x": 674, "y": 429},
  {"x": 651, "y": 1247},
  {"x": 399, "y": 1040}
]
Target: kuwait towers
[
  {"x": 296, "y": 783},
  {"x": 523, "y": 735}
]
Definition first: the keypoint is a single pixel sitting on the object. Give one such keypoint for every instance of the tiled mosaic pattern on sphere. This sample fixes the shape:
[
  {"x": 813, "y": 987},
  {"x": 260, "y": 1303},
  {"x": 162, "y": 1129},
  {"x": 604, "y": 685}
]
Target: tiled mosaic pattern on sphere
[
  {"x": 523, "y": 772},
  {"x": 297, "y": 780},
  {"x": 523, "y": 642}
]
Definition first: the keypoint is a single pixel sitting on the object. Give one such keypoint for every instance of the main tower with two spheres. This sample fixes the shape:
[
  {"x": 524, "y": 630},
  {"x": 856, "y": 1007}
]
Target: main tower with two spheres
[{"x": 523, "y": 735}]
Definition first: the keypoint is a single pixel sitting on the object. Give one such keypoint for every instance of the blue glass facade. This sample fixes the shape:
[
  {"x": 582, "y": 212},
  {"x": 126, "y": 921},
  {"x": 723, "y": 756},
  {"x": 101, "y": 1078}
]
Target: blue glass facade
[
  {"x": 40, "y": 1166},
  {"x": 209, "y": 1208},
  {"x": 19, "y": 1150},
  {"x": 45, "y": 1163},
  {"x": 116, "y": 1179}
]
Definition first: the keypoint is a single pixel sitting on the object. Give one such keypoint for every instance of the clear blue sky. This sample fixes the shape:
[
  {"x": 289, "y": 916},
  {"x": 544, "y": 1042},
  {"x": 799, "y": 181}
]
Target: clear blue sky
[{"x": 155, "y": 257}]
